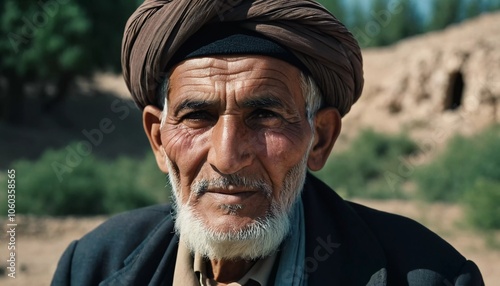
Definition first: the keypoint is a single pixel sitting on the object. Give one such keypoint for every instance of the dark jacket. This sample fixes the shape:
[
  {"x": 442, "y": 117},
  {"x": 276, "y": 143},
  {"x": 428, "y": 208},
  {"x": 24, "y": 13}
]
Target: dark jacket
[{"x": 346, "y": 244}]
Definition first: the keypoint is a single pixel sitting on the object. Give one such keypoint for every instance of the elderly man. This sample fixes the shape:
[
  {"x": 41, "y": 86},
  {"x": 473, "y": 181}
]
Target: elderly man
[{"x": 239, "y": 100}]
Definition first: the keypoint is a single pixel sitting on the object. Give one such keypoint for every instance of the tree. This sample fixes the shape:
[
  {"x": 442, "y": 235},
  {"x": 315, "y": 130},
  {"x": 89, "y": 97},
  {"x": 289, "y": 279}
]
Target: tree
[
  {"x": 51, "y": 42},
  {"x": 472, "y": 9},
  {"x": 413, "y": 20},
  {"x": 493, "y": 5},
  {"x": 42, "y": 43},
  {"x": 445, "y": 12},
  {"x": 106, "y": 31},
  {"x": 381, "y": 23},
  {"x": 386, "y": 22},
  {"x": 357, "y": 25},
  {"x": 336, "y": 7}
]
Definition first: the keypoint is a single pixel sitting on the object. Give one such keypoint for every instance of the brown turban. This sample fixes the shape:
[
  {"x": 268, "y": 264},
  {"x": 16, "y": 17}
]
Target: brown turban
[{"x": 158, "y": 29}]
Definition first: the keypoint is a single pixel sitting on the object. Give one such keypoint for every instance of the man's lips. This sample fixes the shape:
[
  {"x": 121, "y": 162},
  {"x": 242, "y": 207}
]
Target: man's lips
[{"x": 230, "y": 196}]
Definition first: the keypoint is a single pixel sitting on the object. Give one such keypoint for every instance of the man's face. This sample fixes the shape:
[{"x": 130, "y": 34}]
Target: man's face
[{"x": 234, "y": 117}]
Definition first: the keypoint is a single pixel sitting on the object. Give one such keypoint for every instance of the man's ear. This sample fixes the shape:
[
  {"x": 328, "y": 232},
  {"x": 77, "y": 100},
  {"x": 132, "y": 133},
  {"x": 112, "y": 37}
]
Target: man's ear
[
  {"x": 327, "y": 125},
  {"x": 151, "y": 119}
]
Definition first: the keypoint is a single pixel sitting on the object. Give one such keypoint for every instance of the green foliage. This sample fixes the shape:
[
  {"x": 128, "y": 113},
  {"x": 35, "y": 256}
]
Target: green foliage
[
  {"x": 472, "y": 9},
  {"x": 463, "y": 163},
  {"x": 403, "y": 22},
  {"x": 51, "y": 42},
  {"x": 106, "y": 32},
  {"x": 88, "y": 186},
  {"x": 337, "y": 8},
  {"x": 482, "y": 203},
  {"x": 493, "y": 5},
  {"x": 380, "y": 17},
  {"x": 44, "y": 39},
  {"x": 368, "y": 168},
  {"x": 358, "y": 18},
  {"x": 445, "y": 12},
  {"x": 47, "y": 38}
]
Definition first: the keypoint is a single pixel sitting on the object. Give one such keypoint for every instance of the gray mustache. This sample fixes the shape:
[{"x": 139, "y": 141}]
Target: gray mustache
[{"x": 200, "y": 187}]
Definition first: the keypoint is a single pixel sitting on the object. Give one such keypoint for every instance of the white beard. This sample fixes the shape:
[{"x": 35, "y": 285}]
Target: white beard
[{"x": 258, "y": 239}]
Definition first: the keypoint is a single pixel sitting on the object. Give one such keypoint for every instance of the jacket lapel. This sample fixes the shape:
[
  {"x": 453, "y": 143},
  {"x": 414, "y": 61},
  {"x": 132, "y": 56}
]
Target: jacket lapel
[
  {"x": 339, "y": 245},
  {"x": 153, "y": 262}
]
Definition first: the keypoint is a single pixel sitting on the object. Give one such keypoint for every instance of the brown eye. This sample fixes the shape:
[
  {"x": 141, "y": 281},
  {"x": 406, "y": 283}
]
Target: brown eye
[
  {"x": 262, "y": 114},
  {"x": 198, "y": 119},
  {"x": 197, "y": 115},
  {"x": 264, "y": 118}
]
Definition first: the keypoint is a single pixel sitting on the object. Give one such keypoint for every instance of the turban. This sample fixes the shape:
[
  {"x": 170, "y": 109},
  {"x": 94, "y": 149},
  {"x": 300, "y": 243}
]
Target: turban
[{"x": 159, "y": 28}]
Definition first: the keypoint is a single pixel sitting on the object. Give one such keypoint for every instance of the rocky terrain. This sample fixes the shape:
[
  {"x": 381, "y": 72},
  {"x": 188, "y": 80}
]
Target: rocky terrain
[{"x": 434, "y": 85}]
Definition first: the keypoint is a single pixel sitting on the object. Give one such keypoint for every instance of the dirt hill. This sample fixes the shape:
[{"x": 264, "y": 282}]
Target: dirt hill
[{"x": 434, "y": 85}]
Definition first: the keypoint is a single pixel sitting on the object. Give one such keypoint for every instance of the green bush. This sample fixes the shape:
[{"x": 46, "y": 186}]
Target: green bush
[
  {"x": 365, "y": 169},
  {"x": 60, "y": 185},
  {"x": 460, "y": 166},
  {"x": 482, "y": 204}
]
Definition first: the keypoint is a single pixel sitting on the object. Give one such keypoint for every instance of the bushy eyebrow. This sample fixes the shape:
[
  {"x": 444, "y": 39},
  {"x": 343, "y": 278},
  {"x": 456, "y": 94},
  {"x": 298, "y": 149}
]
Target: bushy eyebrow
[
  {"x": 191, "y": 104},
  {"x": 267, "y": 101}
]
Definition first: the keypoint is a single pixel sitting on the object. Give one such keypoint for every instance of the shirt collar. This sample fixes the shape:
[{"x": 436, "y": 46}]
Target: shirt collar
[{"x": 260, "y": 271}]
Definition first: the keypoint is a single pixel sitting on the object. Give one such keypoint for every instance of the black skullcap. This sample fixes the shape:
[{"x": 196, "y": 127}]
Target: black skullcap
[{"x": 218, "y": 39}]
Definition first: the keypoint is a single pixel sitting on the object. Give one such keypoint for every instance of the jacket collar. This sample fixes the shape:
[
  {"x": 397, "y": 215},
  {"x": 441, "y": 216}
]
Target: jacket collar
[
  {"x": 153, "y": 261},
  {"x": 340, "y": 246}
]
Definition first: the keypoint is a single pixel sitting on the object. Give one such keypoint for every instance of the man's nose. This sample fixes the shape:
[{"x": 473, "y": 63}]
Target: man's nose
[{"x": 231, "y": 146}]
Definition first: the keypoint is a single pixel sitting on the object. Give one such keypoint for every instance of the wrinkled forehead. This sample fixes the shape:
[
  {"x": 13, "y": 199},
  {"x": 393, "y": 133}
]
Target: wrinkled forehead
[
  {"x": 215, "y": 77},
  {"x": 236, "y": 67}
]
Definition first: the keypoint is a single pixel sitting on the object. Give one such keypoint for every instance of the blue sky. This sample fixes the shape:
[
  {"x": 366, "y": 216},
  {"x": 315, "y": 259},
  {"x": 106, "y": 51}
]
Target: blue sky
[{"x": 424, "y": 5}]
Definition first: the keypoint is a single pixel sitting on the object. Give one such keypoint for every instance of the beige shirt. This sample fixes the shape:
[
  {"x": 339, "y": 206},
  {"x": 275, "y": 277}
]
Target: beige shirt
[{"x": 191, "y": 271}]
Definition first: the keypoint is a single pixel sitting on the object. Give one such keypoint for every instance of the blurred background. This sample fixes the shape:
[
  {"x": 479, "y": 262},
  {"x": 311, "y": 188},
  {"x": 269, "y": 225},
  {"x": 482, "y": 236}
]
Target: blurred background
[{"x": 422, "y": 141}]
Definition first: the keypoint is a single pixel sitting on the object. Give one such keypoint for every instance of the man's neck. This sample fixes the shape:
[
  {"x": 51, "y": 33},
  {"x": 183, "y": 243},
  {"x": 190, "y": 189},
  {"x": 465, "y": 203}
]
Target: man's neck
[{"x": 227, "y": 271}]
